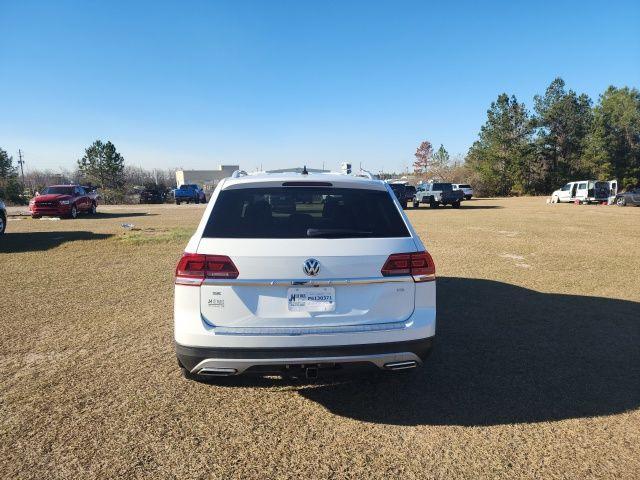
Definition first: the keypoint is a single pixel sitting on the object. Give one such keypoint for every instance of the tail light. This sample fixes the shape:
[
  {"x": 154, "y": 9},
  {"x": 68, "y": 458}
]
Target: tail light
[
  {"x": 420, "y": 265},
  {"x": 193, "y": 268}
]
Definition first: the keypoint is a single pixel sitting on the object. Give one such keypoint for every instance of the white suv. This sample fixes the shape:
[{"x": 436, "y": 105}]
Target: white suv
[{"x": 296, "y": 272}]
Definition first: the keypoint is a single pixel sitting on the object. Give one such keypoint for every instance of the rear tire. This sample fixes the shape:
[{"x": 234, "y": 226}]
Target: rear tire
[
  {"x": 621, "y": 202},
  {"x": 416, "y": 204},
  {"x": 177, "y": 202},
  {"x": 94, "y": 209},
  {"x": 456, "y": 204}
]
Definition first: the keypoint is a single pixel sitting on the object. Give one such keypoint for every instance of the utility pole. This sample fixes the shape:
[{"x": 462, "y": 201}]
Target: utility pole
[{"x": 21, "y": 163}]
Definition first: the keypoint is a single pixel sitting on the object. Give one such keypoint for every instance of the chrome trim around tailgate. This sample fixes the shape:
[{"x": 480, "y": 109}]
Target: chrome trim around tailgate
[
  {"x": 307, "y": 283},
  {"x": 310, "y": 330}
]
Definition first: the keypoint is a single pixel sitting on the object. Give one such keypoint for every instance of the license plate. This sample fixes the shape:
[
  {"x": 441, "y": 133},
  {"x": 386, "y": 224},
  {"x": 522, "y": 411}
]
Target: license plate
[{"x": 316, "y": 299}]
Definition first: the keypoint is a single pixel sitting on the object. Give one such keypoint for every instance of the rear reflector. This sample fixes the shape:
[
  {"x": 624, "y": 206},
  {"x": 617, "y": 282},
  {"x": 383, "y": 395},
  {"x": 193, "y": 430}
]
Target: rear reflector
[
  {"x": 419, "y": 264},
  {"x": 193, "y": 268}
]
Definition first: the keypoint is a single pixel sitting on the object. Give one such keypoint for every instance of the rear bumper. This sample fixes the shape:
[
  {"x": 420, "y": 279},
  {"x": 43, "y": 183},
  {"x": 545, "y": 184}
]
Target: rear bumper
[{"x": 235, "y": 361}]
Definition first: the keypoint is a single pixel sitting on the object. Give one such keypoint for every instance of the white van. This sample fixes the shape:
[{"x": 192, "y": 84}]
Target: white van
[{"x": 585, "y": 191}]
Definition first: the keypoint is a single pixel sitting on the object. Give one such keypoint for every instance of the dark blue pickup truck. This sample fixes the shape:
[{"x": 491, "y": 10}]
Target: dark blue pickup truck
[{"x": 189, "y": 192}]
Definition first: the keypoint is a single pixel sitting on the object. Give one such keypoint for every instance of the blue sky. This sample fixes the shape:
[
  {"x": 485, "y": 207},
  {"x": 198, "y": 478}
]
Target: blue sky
[{"x": 287, "y": 83}]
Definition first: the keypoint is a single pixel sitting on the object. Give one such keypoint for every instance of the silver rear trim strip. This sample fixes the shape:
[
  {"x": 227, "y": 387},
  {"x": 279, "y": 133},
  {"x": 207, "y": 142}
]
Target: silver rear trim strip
[
  {"x": 294, "y": 331},
  {"x": 306, "y": 282},
  {"x": 242, "y": 364}
]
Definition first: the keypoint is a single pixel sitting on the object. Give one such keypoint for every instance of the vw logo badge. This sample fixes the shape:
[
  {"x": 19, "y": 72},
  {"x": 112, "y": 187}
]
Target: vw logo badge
[{"x": 311, "y": 267}]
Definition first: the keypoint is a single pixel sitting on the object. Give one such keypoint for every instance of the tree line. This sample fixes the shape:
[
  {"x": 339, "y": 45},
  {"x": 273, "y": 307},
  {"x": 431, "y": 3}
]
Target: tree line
[
  {"x": 565, "y": 138},
  {"x": 101, "y": 166}
]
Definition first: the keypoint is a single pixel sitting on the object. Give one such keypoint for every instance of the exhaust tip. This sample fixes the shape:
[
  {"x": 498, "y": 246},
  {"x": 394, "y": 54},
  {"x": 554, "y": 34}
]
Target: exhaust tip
[
  {"x": 217, "y": 372},
  {"x": 401, "y": 365}
]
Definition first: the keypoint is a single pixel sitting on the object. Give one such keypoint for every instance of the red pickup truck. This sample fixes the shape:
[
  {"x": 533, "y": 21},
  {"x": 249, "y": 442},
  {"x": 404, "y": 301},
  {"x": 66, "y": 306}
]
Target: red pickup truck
[{"x": 62, "y": 201}]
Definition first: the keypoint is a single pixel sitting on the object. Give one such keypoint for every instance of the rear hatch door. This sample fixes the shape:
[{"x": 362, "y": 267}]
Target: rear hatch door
[{"x": 315, "y": 258}]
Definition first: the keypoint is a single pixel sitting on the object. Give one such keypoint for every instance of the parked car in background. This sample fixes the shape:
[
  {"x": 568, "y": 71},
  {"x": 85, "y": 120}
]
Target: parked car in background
[
  {"x": 438, "y": 193},
  {"x": 92, "y": 192},
  {"x": 153, "y": 195},
  {"x": 411, "y": 194},
  {"x": 467, "y": 191},
  {"x": 189, "y": 192},
  {"x": 341, "y": 280},
  {"x": 584, "y": 191},
  {"x": 630, "y": 197},
  {"x": 3, "y": 217},
  {"x": 402, "y": 194},
  {"x": 62, "y": 201}
]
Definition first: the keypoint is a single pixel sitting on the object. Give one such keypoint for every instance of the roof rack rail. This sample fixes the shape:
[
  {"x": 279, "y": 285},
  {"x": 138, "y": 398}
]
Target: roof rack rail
[
  {"x": 238, "y": 174},
  {"x": 366, "y": 174}
]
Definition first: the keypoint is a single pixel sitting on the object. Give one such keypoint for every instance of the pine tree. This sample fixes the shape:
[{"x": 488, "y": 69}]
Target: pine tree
[
  {"x": 7, "y": 169},
  {"x": 613, "y": 146},
  {"x": 563, "y": 121},
  {"x": 102, "y": 164},
  {"x": 502, "y": 154}
]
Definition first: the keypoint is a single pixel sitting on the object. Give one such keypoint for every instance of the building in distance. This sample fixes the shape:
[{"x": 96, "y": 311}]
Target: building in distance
[{"x": 207, "y": 179}]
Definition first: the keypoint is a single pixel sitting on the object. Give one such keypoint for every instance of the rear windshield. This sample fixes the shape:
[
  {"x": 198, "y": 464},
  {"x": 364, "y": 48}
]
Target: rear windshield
[
  {"x": 442, "y": 187},
  {"x": 304, "y": 212},
  {"x": 464, "y": 186}
]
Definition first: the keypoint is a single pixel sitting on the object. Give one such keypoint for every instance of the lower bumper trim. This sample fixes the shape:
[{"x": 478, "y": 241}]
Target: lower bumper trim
[{"x": 382, "y": 355}]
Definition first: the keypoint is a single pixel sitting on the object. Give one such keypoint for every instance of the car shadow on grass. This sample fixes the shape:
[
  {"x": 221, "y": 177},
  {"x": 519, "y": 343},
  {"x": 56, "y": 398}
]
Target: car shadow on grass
[
  {"x": 100, "y": 215},
  {"x": 17, "y": 242},
  {"x": 449, "y": 207},
  {"x": 506, "y": 354}
]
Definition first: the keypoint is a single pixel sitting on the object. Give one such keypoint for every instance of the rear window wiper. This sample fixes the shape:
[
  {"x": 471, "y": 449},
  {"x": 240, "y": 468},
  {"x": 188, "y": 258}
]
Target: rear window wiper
[{"x": 336, "y": 232}]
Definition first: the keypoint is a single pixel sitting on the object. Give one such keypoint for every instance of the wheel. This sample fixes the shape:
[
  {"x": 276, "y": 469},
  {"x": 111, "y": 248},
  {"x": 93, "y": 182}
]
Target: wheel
[
  {"x": 416, "y": 204},
  {"x": 74, "y": 212},
  {"x": 3, "y": 224},
  {"x": 93, "y": 209},
  {"x": 36, "y": 217},
  {"x": 456, "y": 204},
  {"x": 177, "y": 202},
  {"x": 621, "y": 201},
  {"x": 554, "y": 199}
]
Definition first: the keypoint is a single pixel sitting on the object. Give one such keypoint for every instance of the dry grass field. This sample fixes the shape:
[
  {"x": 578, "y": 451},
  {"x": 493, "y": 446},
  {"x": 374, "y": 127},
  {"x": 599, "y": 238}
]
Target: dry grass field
[{"x": 535, "y": 373}]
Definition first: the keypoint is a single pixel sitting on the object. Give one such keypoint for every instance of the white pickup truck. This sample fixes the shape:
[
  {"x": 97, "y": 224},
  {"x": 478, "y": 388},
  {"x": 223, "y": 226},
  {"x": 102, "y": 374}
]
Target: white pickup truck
[
  {"x": 436, "y": 194},
  {"x": 466, "y": 190}
]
